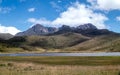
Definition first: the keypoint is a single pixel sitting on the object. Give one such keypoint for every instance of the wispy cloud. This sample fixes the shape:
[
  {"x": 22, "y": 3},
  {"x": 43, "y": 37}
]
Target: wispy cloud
[
  {"x": 59, "y": 1},
  {"x": 56, "y": 6},
  {"x": 40, "y": 21},
  {"x": 118, "y": 18},
  {"x": 31, "y": 9},
  {"x": 5, "y": 9}
]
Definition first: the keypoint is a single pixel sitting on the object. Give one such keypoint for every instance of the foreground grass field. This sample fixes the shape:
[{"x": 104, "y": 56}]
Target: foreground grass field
[{"x": 60, "y": 65}]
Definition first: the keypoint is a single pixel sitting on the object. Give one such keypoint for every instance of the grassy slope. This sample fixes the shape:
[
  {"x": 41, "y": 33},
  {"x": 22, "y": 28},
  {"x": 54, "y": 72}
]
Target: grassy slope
[
  {"x": 57, "y": 41},
  {"x": 100, "y": 43},
  {"x": 36, "y": 43},
  {"x": 11, "y": 45},
  {"x": 68, "y": 42}
]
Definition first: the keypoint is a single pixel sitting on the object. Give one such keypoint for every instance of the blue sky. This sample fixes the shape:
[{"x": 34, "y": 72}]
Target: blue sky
[{"x": 19, "y": 15}]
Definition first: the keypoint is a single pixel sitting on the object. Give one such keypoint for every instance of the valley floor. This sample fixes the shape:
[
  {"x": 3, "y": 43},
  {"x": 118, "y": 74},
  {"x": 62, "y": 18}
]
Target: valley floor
[{"x": 34, "y": 65}]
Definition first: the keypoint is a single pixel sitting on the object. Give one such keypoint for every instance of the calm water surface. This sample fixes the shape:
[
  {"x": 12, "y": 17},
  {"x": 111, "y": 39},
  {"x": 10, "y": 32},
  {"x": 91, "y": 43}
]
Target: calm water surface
[{"x": 64, "y": 54}]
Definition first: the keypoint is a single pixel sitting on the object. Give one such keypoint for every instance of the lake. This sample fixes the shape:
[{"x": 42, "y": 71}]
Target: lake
[{"x": 64, "y": 54}]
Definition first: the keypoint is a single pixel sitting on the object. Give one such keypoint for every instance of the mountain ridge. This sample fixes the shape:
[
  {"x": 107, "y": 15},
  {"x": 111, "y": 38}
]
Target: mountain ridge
[{"x": 87, "y": 29}]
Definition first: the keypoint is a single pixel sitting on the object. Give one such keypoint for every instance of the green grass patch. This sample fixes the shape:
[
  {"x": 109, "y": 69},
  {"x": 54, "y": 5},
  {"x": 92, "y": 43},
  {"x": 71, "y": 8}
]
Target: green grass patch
[{"x": 94, "y": 61}]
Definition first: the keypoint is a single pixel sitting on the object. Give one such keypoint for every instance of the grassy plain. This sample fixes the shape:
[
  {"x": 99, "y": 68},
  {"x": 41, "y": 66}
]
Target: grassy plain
[{"x": 46, "y": 65}]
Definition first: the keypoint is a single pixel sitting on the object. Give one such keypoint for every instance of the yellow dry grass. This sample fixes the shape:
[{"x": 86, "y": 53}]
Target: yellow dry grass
[{"x": 39, "y": 69}]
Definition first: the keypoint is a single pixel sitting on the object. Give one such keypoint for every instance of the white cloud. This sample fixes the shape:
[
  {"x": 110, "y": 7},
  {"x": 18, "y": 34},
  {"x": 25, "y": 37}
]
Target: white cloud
[
  {"x": 118, "y": 18},
  {"x": 106, "y": 4},
  {"x": 31, "y": 9},
  {"x": 75, "y": 15},
  {"x": 5, "y": 9},
  {"x": 11, "y": 30},
  {"x": 40, "y": 21},
  {"x": 80, "y": 14},
  {"x": 56, "y": 6}
]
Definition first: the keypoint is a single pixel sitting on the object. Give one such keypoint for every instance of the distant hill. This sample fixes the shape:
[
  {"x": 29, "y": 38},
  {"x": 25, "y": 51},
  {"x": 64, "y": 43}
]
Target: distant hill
[{"x": 5, "y": 36}]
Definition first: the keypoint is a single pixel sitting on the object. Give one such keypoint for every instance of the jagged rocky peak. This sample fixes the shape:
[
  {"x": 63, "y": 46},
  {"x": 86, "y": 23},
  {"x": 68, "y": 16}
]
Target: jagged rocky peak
[
  {"x": 38, "y": 25},
  {"x": 87, "y": 27},
  {"x": 37, "y": 29}
]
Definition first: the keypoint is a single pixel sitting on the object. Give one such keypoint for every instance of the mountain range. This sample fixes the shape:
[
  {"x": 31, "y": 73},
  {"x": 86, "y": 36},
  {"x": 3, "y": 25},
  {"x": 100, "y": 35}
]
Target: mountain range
[
  {"x": 86, "y": 38},
  {"x": 86, "y": 29}
]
